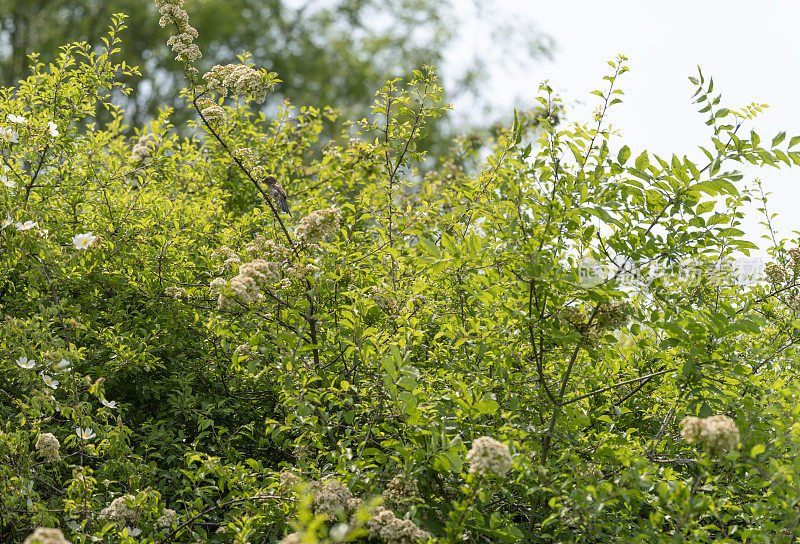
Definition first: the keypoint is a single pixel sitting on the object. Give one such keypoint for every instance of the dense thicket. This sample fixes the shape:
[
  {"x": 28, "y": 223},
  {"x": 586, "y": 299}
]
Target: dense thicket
[{"x": 558, "y": 348}]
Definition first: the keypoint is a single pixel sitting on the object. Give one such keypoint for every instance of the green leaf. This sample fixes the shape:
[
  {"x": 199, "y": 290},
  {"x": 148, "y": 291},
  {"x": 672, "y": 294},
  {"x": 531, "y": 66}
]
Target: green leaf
[
  {"x": 623, "y": 155},
  {"x": 779, "y": 138},
  {"x": 758, "y": 449},
  {"x": 642, "y": 161},
  {"x": 487, "y": 405}
]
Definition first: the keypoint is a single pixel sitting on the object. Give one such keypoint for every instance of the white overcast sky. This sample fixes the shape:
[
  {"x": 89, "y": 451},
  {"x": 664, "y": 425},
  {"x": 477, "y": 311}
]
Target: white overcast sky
[{"x": 752, "y": 50}]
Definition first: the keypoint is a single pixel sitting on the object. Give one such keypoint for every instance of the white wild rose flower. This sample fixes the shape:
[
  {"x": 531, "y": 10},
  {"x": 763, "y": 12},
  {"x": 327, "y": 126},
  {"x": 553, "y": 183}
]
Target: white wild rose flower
[
  {"x": 85, "y": 434},
  {"x": 49, "y": 381},
  {"x": 83, "y": 241},
  {"x": 26, "y": 363},
  {"x": 9, "y": 135}
]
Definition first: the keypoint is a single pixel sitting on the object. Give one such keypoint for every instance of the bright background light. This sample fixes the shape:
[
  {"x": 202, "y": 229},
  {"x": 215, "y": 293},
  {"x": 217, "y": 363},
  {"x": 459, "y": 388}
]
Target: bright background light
[{"x": 752, "y": 50}]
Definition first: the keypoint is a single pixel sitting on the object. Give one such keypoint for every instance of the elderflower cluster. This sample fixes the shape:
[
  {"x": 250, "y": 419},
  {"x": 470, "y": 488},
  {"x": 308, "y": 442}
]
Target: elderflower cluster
[
  {"x": 794, "y": 256},
  {"x": 167, "y": 518},
  {"x": 487, "y": 455},
  {"x": 612, "y": 316},
  {"x": 45, "y": 535},
  {"x": 175, "y": 291},
  {"x": 718, "y": 434},
  {"x": 210, "y": 110},
  {"x": 245, "y": 154},
  {"x": 775, "y": 274},
  {"x": 300, "y": 270},
  {"x": 118, "y": 510},
  {"x": 292, "y": 538},
  {"x": 228, "y": 255},
  {"x": 182, "y": 40},
  {"x": 238, "y": 80},
  {"x": 318, "y": 224},
  {"x": 267, "y": 249},
  {"x": 330, "y": 497},
  {"x": 245, "y": 287},
  {"x": 383, "y": 300},
  {"x": 49, "y": 446},
  {"x": 144, "y": 146},
  {"x": 385, "y": 525},
  {"x": 288, "y": 482}
]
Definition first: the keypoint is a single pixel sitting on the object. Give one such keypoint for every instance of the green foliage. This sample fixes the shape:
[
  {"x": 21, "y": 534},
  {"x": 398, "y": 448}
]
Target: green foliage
[
  {"x": 183, "y": 362},
  {"x": 329, "y": 54}
]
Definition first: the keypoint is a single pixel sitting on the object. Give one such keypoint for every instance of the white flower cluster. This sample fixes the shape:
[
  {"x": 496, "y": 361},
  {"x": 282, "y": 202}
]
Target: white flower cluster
[
  {"x": 49, "y": 446},
  {"x": 245, "y": 287},
  {"x": 292, "y": 538},
  {"x": 333, "y": 499},
  {"x": 488, "y": 455},
  {"x": 718, "y": 434},
  {"x": 167, "y": 518},
  {"x": 144, "y": 147},
  {"x": 330, "y": 497},
  {"x": 245, "y": 154},
  {"x": 44, "y": 535},
  {"x": 385, "y": 525},
  {"x": 267, "y": 249},
  {"x": 213, "y": 112},
  {"x": 175, "y": 291},
  {"x": 238, "y": 80},
  {"x": 182, "y": 42},
  {"x": 119, "y": 510},
  {"x": 300, "y": 270},
  {"x": 288, "y": 482},
  {"x": 318, "y": 224},
  {"x": 230, "y": 257}
]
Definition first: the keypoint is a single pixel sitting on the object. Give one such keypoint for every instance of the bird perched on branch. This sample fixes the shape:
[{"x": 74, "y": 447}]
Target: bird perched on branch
[{"x": 278, "y": 194}]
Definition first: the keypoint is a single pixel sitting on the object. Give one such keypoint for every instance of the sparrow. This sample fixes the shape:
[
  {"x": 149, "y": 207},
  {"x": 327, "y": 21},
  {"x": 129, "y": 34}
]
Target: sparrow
[{"x": 278, "y": 194}]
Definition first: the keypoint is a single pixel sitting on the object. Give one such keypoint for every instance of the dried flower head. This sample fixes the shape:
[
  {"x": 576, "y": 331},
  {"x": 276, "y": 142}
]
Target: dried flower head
[{"x": 487, "y": 455}]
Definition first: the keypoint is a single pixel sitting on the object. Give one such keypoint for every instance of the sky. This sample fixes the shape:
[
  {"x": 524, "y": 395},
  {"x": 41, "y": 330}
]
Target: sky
[{"x": 751, "y": 49}]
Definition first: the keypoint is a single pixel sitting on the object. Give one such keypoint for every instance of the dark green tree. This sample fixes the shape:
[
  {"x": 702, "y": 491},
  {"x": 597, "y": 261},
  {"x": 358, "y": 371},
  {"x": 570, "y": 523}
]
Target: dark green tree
[{"x": 335, "y": 53}]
